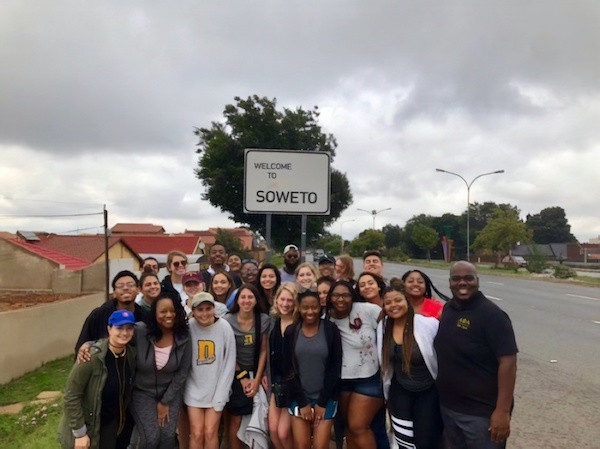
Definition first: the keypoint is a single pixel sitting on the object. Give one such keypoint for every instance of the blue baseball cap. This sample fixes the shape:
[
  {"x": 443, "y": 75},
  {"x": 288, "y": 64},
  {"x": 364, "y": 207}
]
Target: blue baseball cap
[{"x": 121, "y": 317}]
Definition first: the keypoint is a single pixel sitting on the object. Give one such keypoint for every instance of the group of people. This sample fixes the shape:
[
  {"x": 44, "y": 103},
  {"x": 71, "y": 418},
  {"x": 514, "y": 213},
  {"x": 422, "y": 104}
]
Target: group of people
[{"x": 288, "y": 357}]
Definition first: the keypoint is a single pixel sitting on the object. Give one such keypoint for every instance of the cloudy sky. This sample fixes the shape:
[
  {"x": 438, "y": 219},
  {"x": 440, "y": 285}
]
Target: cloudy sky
[{"x": 98, "y": 101}]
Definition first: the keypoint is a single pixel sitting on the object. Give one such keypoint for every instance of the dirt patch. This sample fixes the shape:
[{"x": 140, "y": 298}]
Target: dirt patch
[{"x": 13, "y": 300}]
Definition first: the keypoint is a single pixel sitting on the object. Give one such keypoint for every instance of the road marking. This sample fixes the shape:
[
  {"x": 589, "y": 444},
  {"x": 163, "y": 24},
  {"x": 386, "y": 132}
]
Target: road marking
[
  {"x": 493, "y": 297},
  {"x": 495, "y": 283},
  {"x": 583, "y": 297},
  {"x": 596, "y": 322}
]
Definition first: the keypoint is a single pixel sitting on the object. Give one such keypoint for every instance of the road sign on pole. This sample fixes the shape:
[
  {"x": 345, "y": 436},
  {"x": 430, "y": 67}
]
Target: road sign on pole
[{"x": 286, "y": 182}]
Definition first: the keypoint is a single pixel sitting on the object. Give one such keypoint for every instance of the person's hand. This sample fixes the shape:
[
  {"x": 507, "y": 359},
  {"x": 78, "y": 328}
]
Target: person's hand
[
  {"x": 252, "y": 387},
  {"x": 82, "y": 442},
  {"x": 318, "y": 414},
  {"x": 265, "y": 383},
  {"x": 499, "y": 426},
  {"x": 83, "y": 355},
  {"x": 307, "y": 413},
  {"x": 162, "y": 411}
]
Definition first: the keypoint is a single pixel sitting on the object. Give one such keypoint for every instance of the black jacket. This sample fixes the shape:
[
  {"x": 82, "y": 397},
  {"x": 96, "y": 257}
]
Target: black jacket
[{"x": 94, "y": 327}]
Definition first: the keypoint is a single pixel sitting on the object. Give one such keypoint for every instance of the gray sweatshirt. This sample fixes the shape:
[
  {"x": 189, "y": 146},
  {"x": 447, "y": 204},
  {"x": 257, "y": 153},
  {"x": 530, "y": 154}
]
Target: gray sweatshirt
[{"x": 213, "y": 365}]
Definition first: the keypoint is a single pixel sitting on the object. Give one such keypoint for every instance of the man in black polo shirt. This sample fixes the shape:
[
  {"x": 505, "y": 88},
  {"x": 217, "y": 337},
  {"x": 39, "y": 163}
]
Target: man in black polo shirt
[{"x": 477, "y": 365}]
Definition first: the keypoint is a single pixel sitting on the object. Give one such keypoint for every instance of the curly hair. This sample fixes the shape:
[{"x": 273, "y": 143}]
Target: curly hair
[
  {"x": 378, "y": 279},
  {"x": 180, "y": 326}
]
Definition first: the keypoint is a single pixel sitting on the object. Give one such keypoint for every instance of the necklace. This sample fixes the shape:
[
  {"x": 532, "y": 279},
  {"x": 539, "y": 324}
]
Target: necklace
[{"x": 120, "y": 354}]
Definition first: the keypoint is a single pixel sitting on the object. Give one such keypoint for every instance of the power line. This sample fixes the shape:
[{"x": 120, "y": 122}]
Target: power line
[{"x": 51, "y": 216}]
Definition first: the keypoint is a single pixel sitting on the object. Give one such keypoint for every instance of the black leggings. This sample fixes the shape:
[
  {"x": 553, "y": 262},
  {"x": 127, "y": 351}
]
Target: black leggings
[{"x": 415, "y": 416}]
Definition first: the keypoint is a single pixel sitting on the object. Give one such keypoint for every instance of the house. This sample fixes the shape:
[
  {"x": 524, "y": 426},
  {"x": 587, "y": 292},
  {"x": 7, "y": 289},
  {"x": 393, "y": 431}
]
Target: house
[
  {"x": 158, "y": 246},
  {"x": 208, "y": 237},
  {"x": 29, "y": 266},
  {"x": 136, "y": 228}
]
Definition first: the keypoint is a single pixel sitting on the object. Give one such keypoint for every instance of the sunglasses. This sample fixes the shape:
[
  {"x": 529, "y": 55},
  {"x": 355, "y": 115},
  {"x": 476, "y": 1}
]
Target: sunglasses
[{"x": 176, "y": 264}]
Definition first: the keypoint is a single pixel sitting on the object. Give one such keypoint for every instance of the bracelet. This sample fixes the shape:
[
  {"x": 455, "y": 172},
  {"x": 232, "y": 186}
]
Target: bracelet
[{"x": 241, "y": 375}]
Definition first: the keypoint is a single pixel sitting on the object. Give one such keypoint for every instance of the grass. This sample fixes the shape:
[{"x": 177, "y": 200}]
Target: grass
[{"x": 36, "y": 426}]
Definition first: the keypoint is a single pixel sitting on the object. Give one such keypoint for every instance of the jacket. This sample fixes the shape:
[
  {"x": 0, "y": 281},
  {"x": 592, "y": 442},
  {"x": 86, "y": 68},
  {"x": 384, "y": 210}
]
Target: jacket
[
  {"x": 83, "y": 396},
  {"x": 333, "y": 370},
  {"x": 95, "y": 324},
  {"x": 425, "y": 330},
  {"x": 165, "y": 384}
]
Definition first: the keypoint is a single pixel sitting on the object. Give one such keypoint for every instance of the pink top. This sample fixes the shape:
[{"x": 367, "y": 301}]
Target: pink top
[{"x": 161, "y": 355}]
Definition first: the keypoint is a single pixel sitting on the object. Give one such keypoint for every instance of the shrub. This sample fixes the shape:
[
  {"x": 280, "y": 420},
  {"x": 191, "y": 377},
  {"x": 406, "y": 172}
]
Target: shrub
[{"x": 564, "y": 272}]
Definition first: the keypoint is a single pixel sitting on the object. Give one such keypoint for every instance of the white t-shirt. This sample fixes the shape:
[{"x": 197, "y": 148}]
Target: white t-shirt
[{"x": 359, "y": 344}]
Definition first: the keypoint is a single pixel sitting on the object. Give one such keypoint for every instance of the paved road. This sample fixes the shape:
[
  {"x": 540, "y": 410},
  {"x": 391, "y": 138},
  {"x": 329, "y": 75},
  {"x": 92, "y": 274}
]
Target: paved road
[{"x": 558, "y": 333}]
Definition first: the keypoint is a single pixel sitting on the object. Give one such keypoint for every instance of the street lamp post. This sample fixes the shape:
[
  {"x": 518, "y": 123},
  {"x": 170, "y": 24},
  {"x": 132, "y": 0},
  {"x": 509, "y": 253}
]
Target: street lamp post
[
  {"x": 374, "y": 213},
  {"x": 469, "y": 184},
  {"x": 342, "y": 234}
]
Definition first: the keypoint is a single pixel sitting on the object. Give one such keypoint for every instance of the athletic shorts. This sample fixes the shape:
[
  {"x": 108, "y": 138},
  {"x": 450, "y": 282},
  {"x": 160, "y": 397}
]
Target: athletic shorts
[{"x": 330, "y": 409}]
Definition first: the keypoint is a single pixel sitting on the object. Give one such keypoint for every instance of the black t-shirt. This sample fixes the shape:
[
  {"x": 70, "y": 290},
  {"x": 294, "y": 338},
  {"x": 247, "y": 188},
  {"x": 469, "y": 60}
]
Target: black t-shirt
[
  {"x": 115, "y": 388},
  {"x": 471, "y": 337}
]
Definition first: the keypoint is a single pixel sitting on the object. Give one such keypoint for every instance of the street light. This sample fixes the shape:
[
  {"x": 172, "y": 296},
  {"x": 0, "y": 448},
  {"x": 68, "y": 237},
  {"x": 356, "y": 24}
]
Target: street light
[
  {"x": 374, "y": 213},
  {"x": 342, "y": 234},
  {"x": 469, "y": 184}
]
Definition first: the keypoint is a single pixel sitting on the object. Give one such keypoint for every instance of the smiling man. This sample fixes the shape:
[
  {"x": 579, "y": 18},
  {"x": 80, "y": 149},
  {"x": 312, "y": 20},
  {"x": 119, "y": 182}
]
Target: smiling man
[
  {"x": 477, "y": 365},
  {"x": 125, "y": 290}
]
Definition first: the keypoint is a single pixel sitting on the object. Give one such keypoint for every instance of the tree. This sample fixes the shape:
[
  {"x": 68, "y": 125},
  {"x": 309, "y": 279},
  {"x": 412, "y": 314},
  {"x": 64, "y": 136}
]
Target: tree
[
  {"x": 501, "y": 233},
  {"x": 425, "y": 237},
  {"x": 231, "y": 242},
  {"x": 255, "y": 122},
  {"x": 368, "y": 239},
  {"x": 393, "y": 235},
  {"x": 330, "y": 243},
  {"x": 550, "y": 226}
]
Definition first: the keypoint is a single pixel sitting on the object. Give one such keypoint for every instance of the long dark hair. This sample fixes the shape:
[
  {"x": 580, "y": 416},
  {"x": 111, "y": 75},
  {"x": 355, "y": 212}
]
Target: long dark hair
[
  {"x": 180, "y": 327},
  {"x": 258, "y": 308},
  {"x": 229, "y": 290},
  {"x": 267, "y": 301},
  {"x": 428, "y": 285},
  {"x": 408, "y": 337},
  {"x": 349, "y": 286},
  {"x": 378, "y": 279}
]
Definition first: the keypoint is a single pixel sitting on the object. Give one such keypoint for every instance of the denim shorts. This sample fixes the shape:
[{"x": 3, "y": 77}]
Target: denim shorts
[
  {"x": 367, "y": 386},
  {"x": 330, "y": 409}
]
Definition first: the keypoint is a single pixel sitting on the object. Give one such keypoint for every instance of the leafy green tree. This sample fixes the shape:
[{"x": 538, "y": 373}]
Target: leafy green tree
[
  {"x": 330, "y": 243},
  {"x": 368, "y": 239},
  {"x": 550, "y": 226},
  {"x": 393, "y": 235},
  {"x": 425, "y": 237},
  {"x": 256, "y": 122},
  {"x": 232, "y": 243},
  {"x": 501, "y": 233}
]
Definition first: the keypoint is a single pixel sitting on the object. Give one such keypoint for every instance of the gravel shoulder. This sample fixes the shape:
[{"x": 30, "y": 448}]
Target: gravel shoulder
[{"x": 553, "y": 408}]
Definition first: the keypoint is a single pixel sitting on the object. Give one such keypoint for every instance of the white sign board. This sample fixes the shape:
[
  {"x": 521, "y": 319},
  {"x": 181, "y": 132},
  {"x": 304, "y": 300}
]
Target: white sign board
[{"x": 286, "y": 182}]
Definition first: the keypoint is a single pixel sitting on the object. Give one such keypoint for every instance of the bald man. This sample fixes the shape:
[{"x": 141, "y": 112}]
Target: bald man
[{"x": 477, "y": 365}]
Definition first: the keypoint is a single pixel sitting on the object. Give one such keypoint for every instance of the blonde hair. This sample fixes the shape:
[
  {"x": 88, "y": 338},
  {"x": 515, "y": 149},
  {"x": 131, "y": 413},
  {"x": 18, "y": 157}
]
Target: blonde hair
[
  {"x": 172, "y": 254},
  {"x": 292, "y": 289}
]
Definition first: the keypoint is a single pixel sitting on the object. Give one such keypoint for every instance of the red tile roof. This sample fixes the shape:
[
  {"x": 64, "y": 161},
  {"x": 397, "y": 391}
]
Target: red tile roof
[
  {"x": 137, "y": 228},
  {"x": 86, "y": 247},
  {"x": 162, "y": 244},
  {"x": 68, "y": 261}
]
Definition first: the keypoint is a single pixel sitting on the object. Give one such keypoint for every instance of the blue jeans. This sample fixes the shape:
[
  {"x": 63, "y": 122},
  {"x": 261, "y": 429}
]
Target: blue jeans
[{"x": 467, "y": 431}]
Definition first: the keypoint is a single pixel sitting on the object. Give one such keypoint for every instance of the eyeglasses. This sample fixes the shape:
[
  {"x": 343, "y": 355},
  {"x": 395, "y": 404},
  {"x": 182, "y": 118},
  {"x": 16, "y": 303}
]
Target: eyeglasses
[
  {"x": 341, "y": 295},
  {"x": 466, "y": 278},
  {"x": 126, "y": 285},
  {"x": 176, "y": 264}
]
